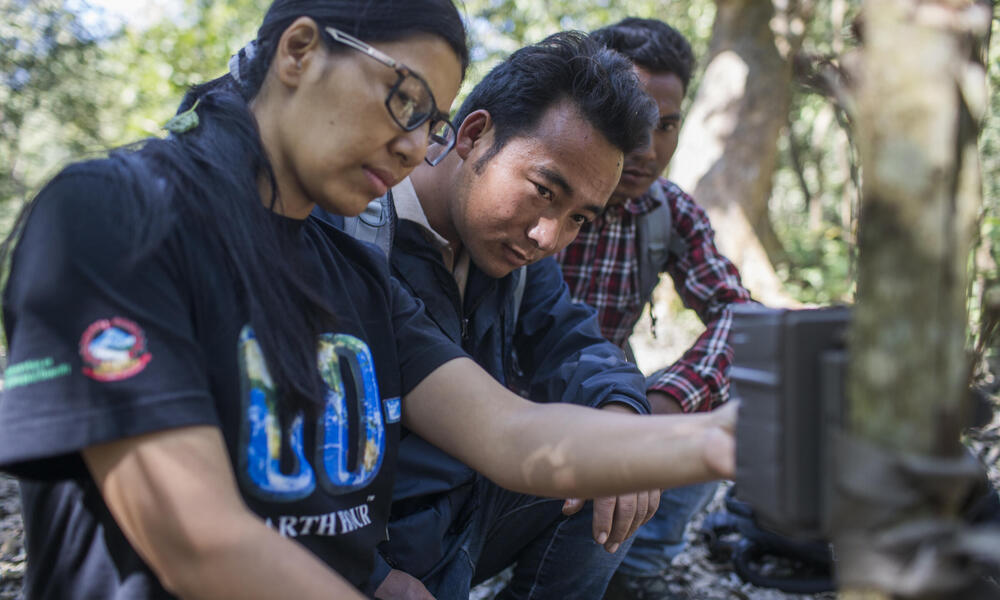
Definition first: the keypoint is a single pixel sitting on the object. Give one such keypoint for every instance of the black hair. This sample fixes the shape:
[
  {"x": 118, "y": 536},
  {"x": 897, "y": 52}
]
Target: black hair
[
  {"x": 207, "y": 179},
  {"x": 564, "y": 66},
  {"x": 368, "y": 20},
  {"x": 651, "y": 44}
]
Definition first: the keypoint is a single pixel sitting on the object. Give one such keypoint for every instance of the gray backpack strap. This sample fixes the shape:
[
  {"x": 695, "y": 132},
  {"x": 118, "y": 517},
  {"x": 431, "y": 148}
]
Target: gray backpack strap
[
  {"x": 654, "y": 243},
  {"x": 376, "y": 225},
  {"x": 663, "y": 225}
]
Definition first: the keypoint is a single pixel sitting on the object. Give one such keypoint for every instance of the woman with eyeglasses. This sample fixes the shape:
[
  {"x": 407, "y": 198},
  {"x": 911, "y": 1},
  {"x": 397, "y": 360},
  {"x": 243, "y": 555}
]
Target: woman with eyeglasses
[{"x": 206, "y": 386}]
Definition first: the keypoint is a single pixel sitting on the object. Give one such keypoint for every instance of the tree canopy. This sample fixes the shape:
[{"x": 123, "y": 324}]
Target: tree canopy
[{"x": 72, "y": 84}]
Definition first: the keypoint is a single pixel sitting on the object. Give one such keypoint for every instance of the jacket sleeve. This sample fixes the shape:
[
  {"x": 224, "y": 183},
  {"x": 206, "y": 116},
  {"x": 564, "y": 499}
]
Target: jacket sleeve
[
  {"x": 709, "y": 284},
  {"x": 379, "y": 573},
  {"x": 562, "y": 354}
]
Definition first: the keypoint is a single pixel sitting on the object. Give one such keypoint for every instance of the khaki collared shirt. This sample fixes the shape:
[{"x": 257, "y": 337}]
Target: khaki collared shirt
[{"x": 408, "y": 207}]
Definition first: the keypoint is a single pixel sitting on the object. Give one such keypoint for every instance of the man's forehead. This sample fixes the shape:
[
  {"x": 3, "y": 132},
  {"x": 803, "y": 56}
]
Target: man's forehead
[
  {"x": 573, "y": 161},
  {"x": 569, "y": 151}
]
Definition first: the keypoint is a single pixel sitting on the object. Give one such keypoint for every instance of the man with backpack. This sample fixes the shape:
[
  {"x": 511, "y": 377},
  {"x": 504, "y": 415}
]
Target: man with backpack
[
  {"x": 538, "y": 151},
  {"x": 651, "y": 227}
]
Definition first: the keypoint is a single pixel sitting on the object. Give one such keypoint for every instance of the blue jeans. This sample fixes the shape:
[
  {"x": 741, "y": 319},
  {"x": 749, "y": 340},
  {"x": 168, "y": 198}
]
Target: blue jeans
[
  {"x": 556, "y": 556},
  {"x": 662, "y": 538}
]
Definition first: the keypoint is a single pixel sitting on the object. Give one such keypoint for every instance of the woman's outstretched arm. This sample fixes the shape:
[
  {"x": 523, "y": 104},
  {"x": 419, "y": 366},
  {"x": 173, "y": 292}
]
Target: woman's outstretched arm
[{"x": 562, "y": 450}]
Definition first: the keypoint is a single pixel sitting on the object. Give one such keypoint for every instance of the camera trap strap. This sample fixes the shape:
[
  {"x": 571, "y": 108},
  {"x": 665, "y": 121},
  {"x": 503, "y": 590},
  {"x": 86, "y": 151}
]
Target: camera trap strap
[{"x": 881, "y": 540}]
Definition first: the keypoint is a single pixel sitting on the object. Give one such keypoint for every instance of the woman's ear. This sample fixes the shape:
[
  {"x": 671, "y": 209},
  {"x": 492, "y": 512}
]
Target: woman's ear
[
  {"x": 298, "y": 46},
  {"x": 473, "y": 132}
]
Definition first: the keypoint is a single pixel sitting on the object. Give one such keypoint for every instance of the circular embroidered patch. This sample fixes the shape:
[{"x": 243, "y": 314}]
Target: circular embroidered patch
[{"x": 113, "y": 349}]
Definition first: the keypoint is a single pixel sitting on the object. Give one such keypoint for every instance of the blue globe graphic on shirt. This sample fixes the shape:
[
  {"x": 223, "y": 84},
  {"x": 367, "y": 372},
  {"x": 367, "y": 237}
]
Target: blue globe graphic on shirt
[{"x": 112, "y": 345}]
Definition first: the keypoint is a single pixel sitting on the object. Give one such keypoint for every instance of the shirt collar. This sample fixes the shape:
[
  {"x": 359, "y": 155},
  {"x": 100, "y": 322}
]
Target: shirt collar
[
  {"x": 641, "y": 205},
  {"x": 634, "y": 206},
  {"x": 408, "y": 207}
]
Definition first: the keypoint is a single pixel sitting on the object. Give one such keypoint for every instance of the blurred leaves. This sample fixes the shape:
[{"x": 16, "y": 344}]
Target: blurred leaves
[
  {"x": 71, "y": 83},
  {"x": 190, "y": 45},
  {"x": 498, "y": 27},
  {"x": 47, "y": 90}
]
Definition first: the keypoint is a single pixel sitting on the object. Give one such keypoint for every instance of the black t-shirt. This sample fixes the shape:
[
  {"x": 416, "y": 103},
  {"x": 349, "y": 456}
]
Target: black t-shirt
[{"x": 105, "y": 346}]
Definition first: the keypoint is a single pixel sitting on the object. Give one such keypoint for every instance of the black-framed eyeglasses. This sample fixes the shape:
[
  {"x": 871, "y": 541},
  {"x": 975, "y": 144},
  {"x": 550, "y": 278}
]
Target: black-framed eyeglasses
[{"x": 410, "y": 101}]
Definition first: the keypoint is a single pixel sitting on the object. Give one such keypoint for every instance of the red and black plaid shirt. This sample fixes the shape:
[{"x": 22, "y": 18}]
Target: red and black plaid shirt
[{"x": 601, "y": 268}]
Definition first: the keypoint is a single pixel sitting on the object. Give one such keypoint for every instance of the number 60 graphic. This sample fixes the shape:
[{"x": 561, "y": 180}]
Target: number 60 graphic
[{"x": 261, "y": 435}]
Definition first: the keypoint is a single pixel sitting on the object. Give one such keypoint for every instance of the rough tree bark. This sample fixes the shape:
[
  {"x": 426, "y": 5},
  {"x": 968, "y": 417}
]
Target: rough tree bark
[
  {"x": 729, "y": 144},
  {"x": 920, "y": 95}
]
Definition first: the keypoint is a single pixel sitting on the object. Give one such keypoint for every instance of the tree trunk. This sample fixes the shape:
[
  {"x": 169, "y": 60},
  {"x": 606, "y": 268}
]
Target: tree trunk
[
  {"x": 919, "y": 100},
  {"x": 729, "y": 144}
]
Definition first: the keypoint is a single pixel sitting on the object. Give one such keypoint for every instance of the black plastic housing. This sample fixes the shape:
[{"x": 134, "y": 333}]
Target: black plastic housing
[{"x": 788, "y": 376}]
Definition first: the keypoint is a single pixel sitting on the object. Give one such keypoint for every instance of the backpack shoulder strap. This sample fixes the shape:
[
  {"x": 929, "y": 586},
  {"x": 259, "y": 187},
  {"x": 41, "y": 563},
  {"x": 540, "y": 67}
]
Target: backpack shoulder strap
[
  {"x": 655, "y": 230},
  {"x": 660, "y": 225},
  {"x": 376, "y": 225}
]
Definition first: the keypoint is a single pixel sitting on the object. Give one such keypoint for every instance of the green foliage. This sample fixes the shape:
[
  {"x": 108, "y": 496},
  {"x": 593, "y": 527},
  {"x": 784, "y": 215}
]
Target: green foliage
[
  {"x": 984, "y": 306},
  {"x": 989, "y": 148},
  {"x": 47, "y": 92},
  {"x": 185, "y": 121},
  {"x": 66, "y": 90},
  {"x": 498, "y": 27},
  {"x": 156, "y": 65},
  {"x": 821, "y": 269},
  {"x": 814, "y": 202},
  {"x": 501, "y": 26},
  {"x": 815, "y": 195}
]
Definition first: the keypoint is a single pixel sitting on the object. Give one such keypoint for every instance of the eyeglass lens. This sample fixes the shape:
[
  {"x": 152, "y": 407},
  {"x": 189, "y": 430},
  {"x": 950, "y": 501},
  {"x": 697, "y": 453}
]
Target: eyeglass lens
[
  {"x": 441, "y": 141},
  {"x": 411, "y": 103}
]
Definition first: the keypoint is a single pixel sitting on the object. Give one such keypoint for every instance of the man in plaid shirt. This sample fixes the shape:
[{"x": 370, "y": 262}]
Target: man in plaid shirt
[{"x": 651, "y": 226}]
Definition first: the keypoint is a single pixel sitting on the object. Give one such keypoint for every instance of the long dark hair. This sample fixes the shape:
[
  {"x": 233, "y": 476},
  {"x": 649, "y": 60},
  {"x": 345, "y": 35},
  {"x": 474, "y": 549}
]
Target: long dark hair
[{"x": 207, "y": 179}]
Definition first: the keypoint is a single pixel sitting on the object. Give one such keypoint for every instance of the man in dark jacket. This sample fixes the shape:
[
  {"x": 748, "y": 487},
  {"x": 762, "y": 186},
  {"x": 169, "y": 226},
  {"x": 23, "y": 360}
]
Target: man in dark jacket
[
  {"x": 539, "y": 149},
  {"x": 651, "y": 227}
]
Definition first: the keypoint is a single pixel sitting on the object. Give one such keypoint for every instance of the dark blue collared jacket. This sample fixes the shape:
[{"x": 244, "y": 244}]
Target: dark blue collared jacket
[{"x": 554, "y": 353}]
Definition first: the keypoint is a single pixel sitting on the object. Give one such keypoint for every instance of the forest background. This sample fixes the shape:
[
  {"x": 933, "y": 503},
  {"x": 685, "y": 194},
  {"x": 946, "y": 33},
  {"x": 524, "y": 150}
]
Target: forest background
[{"x": 766, "y": 144}]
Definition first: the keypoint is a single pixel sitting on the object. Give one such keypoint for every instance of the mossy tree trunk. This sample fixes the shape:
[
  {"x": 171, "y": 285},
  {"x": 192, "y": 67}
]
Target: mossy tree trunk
[{"x": 920, "y": 95}]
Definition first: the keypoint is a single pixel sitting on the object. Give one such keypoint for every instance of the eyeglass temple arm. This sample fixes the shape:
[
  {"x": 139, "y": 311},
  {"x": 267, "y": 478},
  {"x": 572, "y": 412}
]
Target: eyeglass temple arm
[{"x": 357, "y": 44}]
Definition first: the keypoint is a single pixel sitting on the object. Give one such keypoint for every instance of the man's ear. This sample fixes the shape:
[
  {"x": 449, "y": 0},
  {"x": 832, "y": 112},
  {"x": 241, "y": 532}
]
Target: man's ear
[
  {"x": 476, "y": 129},
  {"x": 298, "y": 46}
]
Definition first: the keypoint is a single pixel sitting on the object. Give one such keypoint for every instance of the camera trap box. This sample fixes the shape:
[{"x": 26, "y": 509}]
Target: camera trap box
[{"x": 787, "y": 374}]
